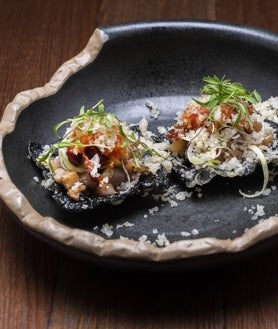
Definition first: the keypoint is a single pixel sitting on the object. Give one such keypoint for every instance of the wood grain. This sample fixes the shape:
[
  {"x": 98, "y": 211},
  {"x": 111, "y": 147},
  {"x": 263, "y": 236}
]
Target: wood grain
[{"x": 44, "y": 289}]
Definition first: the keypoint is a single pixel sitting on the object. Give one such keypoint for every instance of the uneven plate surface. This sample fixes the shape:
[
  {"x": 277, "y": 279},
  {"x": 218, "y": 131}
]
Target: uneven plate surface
[{"x": 128, "y": 66}]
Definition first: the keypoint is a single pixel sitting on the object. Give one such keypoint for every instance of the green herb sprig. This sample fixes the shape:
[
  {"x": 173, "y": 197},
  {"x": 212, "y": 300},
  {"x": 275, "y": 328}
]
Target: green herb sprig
[
  {"x": 93, "y": 115},
  {"x": 133, "y": 143},
  {"x": 223, "y": 91}
]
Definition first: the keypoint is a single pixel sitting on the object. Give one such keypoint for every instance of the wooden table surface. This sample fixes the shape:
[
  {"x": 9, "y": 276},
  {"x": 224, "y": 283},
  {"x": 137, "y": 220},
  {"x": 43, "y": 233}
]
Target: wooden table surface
[{"x": 42, "y": 288}]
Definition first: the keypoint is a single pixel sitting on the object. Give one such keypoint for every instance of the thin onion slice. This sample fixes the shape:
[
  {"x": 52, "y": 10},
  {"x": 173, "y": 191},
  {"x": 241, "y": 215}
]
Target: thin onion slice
[
  {"x": 262, "y": 159},
  {"x": 67, "y": 164}
]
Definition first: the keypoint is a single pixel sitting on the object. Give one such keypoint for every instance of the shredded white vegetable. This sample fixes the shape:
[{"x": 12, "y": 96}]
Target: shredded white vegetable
[
  {"x": 66, "y": 163},
  {"x": 262, "y": 159}
]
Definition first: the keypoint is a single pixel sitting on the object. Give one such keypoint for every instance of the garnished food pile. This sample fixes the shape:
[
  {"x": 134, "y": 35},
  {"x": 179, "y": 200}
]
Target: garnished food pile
[
  {"x": 100, "y": 156},
  {"x": 222, "y": 134},
  {"x": 99, "y": 159}
]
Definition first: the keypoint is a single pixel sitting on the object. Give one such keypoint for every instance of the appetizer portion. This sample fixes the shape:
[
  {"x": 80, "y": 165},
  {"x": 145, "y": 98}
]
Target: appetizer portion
[
  {"x": 222, "y": 134},
  {"x": 100, "y": 159}
]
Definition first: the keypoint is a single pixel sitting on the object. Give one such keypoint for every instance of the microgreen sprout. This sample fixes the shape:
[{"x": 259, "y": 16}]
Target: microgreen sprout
[
  {"x": 133, "y": 143},
  {"x": 86, "y": 122},
  {"x": 230, "y": 93},
  {"x": 91, "y": 116}
]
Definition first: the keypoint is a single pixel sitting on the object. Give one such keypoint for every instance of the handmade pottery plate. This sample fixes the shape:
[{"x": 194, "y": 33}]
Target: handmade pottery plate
[{"x": 129, "y": 66}]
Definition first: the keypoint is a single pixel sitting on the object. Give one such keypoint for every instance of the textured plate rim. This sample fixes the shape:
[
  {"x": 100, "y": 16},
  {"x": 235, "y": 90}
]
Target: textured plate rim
[{"x": 90, "y": 242}]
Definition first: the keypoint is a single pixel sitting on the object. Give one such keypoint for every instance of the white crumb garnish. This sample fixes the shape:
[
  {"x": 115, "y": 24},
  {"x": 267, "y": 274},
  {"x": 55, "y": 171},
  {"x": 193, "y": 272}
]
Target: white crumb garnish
[
  {"x": 195, "y": 232},
  {"x": 266, "y": 192},
  {"x": 255, "y": 210},
  {"x": 76, "y": 186},
  {"x": 125, "y": 224},
  {"x": 161, "y": 130},
  {"x": 107, "y": 230},
  {"x": 153, "y": 210},
  {"x": 46, "y": 183},
  {"x": 183, "y": 195},
  {"x": 143, "y": 127},
  {"x": 259, "y": 212},
  {"x": 185, "y": 234},
  {"x": 143, "y": 238},
  {"x": 123, "y": 238},
  {"x": 173, "y": 203},
  {"x": 162, "y": 240},
  {"x": 269, "y": 109},
  {"x": 154, "y": 112},
  {"x": 36, "y": 179}
]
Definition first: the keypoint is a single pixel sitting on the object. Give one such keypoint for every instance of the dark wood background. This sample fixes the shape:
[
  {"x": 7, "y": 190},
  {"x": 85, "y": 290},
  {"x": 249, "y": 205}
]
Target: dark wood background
[{"x": 42, "y": 288}]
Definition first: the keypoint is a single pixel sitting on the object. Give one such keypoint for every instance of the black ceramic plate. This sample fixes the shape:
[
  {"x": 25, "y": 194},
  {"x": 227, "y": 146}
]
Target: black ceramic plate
[{"x": 162, "y": 63}]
